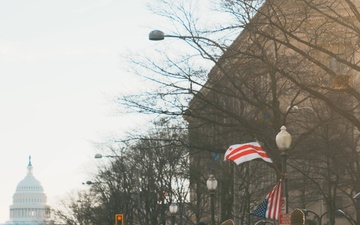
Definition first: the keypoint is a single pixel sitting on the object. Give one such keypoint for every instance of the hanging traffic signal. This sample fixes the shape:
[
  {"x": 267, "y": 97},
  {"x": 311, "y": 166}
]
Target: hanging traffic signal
[{"x": 119, "y": 219}]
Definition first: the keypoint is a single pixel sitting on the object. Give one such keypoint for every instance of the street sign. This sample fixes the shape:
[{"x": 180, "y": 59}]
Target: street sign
[
  {"x": 284, "y": 219},
  {"x": 283, "y": 205}
]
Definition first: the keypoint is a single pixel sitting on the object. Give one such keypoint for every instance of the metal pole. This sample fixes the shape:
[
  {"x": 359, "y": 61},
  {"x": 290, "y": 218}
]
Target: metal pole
[
  {"x": 357, "y": 202},
  {"x": 321, "y": 217},
  {"x": 212, "y": 196},
  {"x": 283, "y": 169},
  {"x": 357, "y": 207},
  {"x": 173, "y": 219},
  {"x": 236, "y": 195}
]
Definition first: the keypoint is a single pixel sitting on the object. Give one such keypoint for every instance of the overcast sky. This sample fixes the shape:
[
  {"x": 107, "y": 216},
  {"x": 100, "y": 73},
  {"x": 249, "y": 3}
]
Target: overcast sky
[{"x": 59, "y": 63}]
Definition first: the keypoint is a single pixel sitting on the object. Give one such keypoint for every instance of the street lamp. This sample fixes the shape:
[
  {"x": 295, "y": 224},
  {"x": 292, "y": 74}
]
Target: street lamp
[
  {"x": 99, "y": 156},
  {"x": 296, "y": 108},
  {"x": 357, "y": 207},
  {"x": 263, "y": 222},
  {"x": 211, "y": 184},
  {"x": 347, "y": 217},
  {"x": 357, "y": 196},
  {"x": 283, "y": 141},
  {"x": 89, "y": 182},
  {"x": 173, "y": 208},
  {"x": 319, "y": 218},
  {"x": 158, "y": 35}
]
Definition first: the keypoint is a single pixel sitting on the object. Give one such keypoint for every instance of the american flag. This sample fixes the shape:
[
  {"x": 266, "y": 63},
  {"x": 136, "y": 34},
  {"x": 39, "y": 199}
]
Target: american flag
[
  {"x": 240, "y": 153},
  {"x": 270, "y": 206}
]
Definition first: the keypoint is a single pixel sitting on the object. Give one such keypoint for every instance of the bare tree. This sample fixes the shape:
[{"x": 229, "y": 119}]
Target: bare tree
[
  {"x": 289, "y": 55},
  {"x": 140, "y": 181},
  {"x": 78, "y": 208}
]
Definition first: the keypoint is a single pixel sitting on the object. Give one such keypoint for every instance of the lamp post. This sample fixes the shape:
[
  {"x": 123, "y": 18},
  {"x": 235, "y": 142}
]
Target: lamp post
[
  {"x": 357, "y": 207},
  {"x": 211, "y": 184},
  {"x": 319, "y": 218},
  {"x": 99, "y": 156},
  {"x": 340, "y": 212},
  {"x": 173, "y": 208},
  {"x": 296, "y": 108},
  {"x": 89, "y": 182},
  {"x": 158, "y": 35},
  {"x": 263, "y": 222},
  {"x": 283, "y": 141}
]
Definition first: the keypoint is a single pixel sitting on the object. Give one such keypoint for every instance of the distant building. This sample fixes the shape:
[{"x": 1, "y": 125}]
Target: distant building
[
  {"x": 287, "y": 52},
  {"x": 29, "y": 205}
]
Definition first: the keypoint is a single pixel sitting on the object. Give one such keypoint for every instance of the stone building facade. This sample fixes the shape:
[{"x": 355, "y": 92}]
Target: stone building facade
[{"x": 296, "y": 64}]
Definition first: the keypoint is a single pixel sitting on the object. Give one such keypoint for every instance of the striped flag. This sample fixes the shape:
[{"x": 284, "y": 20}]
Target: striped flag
[
  {"x": 240, "y": 153},
  {"x": 270, "y": 206}
]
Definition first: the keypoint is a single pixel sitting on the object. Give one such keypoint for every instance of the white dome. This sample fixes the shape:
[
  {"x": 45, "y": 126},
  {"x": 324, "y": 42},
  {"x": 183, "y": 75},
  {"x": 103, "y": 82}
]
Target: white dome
[
  {"x": 29, "y": 183},
  {"x": 29, "y": 202}
]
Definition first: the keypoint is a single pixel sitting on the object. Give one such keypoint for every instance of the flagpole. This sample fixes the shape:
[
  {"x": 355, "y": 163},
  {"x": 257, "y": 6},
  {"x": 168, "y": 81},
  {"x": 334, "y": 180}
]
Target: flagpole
[
  {"x": 240, "y": 153},
  {"x": 247, "y": 180},
  {"x": 283, "y": 165},
  {"x": 235, "y": 194},
  {"x": 270, "y": 207}
]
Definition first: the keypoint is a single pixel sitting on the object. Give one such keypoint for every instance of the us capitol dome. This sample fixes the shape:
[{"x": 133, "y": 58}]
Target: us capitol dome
[{"x": 29, "y": 205}]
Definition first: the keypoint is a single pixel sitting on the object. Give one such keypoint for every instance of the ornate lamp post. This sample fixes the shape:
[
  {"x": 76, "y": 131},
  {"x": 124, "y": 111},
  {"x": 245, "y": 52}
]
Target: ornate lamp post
[
  {"x": 319, "y": 218},
  {"x": 211, "y": 184},
  {"x": 340, "y": 212},
  {"x": 357, "y": 207},
  {"x": 173, "y": 208},
  {"x": 283, "y": 141}
]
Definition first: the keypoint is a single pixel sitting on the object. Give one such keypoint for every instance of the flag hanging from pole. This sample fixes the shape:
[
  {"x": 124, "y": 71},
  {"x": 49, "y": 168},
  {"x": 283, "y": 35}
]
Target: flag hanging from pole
[
  {"x": 240, "y": 153},
  {"x": 270, "y": 206}
]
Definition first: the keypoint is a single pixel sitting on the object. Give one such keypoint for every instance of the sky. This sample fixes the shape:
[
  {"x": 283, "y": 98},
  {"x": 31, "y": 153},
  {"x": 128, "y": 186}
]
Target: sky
[{"x": 60, "y": 64}]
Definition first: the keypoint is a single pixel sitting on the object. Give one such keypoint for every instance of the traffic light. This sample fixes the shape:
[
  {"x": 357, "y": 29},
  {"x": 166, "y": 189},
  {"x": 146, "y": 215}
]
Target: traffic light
[{"x": 119, "y": 219}]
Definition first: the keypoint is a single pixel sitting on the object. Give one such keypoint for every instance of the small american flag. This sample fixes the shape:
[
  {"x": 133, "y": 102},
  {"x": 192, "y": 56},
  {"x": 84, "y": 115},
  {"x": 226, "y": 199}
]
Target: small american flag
[
  {"x": 270, "y": 206},
  {"x": 240, "y": 153}
]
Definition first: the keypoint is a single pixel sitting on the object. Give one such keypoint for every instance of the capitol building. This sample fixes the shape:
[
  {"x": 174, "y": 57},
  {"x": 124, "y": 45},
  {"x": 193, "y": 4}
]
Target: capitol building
[{"x": 29, "y": 206}]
